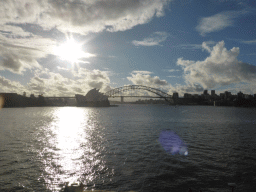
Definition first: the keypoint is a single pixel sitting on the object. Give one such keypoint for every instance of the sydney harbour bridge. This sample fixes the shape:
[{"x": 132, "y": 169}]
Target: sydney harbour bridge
[{"x": 133, "y": 91}]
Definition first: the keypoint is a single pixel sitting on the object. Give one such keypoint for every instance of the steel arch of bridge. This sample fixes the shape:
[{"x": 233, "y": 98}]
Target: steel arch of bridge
[{"x": 161, "y": 94}]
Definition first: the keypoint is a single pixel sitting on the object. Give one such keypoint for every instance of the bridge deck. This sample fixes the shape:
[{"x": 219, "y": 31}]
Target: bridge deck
[
  {"x": 59, "y": 97},
  {"x": 136, "y": 96},
  {"x": 108, "y": 96}
]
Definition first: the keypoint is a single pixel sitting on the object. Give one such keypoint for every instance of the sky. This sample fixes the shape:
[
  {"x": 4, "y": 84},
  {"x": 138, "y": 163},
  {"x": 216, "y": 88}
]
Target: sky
[{"x": 67, "y": 47}]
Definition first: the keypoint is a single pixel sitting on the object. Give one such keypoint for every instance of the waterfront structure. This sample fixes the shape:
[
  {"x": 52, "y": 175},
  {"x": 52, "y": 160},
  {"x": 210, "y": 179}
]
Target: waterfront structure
[
  {"x": 227, "y": 94},
  {"x": 222, "y": 95},
  {"x": 240, "y": 95},
  {"x": 175, "y": 95},
  {"x": 96, "y": 99},
  {"x": 212, "y": 93},
  {"x": 187, "y": 95},
  {"x": 92, "y": 99}
]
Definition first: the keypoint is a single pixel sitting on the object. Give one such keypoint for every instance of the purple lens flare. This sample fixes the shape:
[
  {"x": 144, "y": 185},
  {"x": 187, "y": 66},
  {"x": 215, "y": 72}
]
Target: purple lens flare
[{"x": 172, "y": 143}]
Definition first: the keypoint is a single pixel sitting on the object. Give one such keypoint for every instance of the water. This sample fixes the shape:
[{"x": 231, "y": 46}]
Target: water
[{"x": 117, "y": 148}]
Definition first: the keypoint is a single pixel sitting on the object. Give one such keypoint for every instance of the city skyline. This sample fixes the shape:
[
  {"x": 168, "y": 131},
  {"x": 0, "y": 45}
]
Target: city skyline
[
  {"x": 68, "y": 47},
  {"x": 205, "y": 92}
]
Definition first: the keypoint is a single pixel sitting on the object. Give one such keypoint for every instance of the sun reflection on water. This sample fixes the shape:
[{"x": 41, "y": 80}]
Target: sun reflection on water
[
  {"x": 68, "y": 147},
  {"x": 69, "y": 137}
]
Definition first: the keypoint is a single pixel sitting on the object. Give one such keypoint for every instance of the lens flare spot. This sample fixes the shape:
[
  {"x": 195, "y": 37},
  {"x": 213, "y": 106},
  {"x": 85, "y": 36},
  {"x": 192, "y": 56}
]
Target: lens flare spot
[{"x": 172, "y": 143}]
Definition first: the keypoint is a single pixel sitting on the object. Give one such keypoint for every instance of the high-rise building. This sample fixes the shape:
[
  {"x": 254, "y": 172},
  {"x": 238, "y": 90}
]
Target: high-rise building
[
  {"x": 240, "y": 95},
  {"x": 212, "y": 92},
  {"x": 175, "y": 95},
  {"x": 227, "y": 94},
  {"x": 187, "y": 95},
  {"x": 205, "y": 92}
]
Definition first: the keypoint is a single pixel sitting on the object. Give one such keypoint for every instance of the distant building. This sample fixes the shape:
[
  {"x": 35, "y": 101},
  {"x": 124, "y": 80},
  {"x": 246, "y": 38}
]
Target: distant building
[
  {"x": 213, "y": 93},
  {"x": 240, "y": 95},
  {"x": 247, "y": 96},
  {"x": 205, "y": 92},
  {"x": 227, "y": 94},
  {"x": 175, "y": 95},
  {"x": 187, "y": 95},
  {"x": 222, "y": 95},
  {"x": 207, "y": 97}
]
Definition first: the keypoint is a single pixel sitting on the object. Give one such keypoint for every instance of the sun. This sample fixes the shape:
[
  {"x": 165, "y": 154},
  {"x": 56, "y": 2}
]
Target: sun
[{"x": 71, "y": 51}]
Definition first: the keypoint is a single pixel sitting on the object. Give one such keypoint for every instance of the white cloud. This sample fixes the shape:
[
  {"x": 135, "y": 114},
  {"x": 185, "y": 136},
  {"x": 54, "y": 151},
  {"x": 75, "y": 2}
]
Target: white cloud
[
  {"x": 7, "y": 85},
  {"x": 219, "y": 69},
  {"x": 54, "y": 84},
  {"x": 173, "y": 76},
  {"x": 143, "y": 72},
  {"x": 93, "y": 78},
  {"x": 190, "y": 46},
  {"x": 82, "y": 16},
  {"x": 155, "y": 39},
  {"x": 195, "y": 46},
  {"x": 11, "y": 31},
  {"x": 22, "y": 53},
  {"x": 172, "y": 70},
  {"x": 218, "y": 22},
  {"x": 20, "y": 50},
  {"x": 250, "y": 42},
  {"x": 147, "y": 80}
]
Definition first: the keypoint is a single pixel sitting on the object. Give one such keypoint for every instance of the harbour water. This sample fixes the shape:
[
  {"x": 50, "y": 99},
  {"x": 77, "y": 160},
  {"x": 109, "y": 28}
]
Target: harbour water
[{"x": 118, "y": 148}]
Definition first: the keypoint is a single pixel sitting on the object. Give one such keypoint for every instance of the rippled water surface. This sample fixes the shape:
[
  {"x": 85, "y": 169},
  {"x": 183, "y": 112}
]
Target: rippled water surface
[{"x": 117, "y": 148}]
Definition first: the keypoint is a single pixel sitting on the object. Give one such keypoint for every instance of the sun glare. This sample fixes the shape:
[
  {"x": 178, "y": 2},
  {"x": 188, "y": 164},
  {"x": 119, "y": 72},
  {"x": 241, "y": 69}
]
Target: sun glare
[{"x": 70, "y": 51}]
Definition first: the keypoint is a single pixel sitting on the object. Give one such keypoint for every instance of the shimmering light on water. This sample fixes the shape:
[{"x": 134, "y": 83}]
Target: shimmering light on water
[
  {"x": 67, "y": 146},
  {"x": 118, "y": 148}
]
